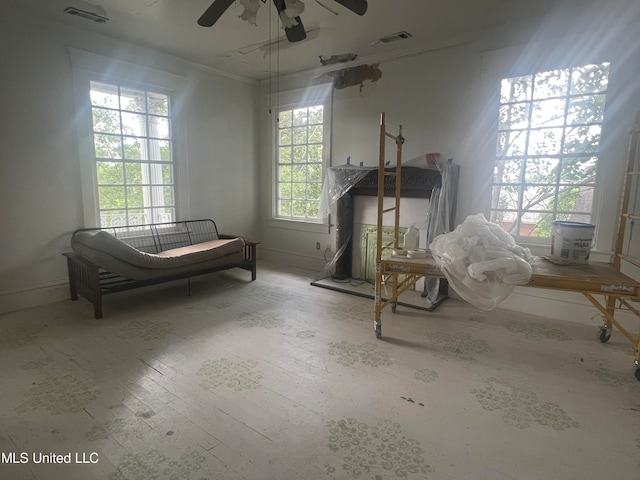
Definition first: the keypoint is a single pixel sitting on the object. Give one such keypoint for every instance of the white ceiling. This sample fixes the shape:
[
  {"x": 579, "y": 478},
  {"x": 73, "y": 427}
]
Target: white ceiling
[{"x": 231, "y": 45}]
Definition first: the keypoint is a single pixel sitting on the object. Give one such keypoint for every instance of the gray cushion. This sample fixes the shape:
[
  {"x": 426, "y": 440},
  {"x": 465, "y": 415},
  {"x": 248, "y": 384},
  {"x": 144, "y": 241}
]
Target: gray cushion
[{"x": 114, "y": 255}]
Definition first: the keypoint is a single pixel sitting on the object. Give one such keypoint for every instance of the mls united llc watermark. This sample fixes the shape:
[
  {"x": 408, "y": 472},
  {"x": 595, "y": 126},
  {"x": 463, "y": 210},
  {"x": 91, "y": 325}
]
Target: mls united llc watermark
[{"x": 50, "y": 457}]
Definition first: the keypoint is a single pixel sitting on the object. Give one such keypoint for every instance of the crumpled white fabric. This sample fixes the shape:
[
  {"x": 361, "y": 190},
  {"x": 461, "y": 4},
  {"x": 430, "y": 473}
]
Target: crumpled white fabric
[{"x": 482, "y": 262}]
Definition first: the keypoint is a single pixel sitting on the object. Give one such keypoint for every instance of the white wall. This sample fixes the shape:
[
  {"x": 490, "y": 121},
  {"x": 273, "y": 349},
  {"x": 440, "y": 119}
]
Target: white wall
[
  {"x": 426, "y": 94},
  {"x": 40, "y": 188},
  {"x": 443, "y": 100}
]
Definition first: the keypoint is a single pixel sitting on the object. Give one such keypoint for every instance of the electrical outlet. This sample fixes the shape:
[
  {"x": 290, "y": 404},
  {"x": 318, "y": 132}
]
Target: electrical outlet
[{"x": 318, "y": 246}]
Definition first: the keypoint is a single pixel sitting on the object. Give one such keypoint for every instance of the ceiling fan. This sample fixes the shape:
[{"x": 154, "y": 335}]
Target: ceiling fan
[{"x": 288, "y": 10}]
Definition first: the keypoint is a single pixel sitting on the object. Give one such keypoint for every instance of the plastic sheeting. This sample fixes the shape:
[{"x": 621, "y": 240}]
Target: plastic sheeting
[
  {"x": 338, "y": 182},
  {"x": 482, "y": 262}
]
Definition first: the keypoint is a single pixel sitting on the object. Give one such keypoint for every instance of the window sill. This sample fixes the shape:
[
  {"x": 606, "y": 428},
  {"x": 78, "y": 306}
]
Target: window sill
[
  {"x": 298, "y": 225},
  {"x": 541, "y": 250}
]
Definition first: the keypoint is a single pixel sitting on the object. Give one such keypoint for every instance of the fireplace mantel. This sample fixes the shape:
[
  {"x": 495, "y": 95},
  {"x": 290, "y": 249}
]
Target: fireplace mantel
[{"x": 416, "y": 182}]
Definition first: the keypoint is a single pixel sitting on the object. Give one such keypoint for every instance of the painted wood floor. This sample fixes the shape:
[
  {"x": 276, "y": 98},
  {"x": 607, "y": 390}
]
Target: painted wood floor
[{"x": 276, "y": 379}]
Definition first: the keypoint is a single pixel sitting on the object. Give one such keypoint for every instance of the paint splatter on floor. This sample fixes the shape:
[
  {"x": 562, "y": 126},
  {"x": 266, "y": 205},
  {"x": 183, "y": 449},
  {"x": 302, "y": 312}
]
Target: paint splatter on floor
[
  {"x": 154, "y": 465},
  {"x": 146, "y": 330},
  {"x": 364, "y": 448},
  {"x": 16, "y": 337},
  {"x": 537, "y": 331},
  {"x": 261, "y": 319},
  {"x": 463, "y": 345},
  {"x": 521, "y": 408},
  {"x": 60, "y": 395},
  {"x": 224, "y": 372},
  {"x": 426, "y": 375},
  {"x": 366, "y": 353}
]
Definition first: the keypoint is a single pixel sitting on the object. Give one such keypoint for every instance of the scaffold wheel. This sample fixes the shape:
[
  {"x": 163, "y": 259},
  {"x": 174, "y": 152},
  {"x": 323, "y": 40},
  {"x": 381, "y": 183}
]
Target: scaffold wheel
[{"x": 604, "y": 334}]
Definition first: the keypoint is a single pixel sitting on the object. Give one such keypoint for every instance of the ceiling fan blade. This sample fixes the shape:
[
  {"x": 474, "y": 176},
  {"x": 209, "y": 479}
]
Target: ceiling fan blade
[
  {"x": 296, "y": 33},
  {"x": 214, "y": 12},
  {"x": 356, "y": 6}
]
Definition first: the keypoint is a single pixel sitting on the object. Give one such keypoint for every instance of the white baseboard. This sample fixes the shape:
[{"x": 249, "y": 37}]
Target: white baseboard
[
  {"x": 38, "y": 294},
  {"x": 279, "y": 257},
  {"x": 568, "y": 306}
]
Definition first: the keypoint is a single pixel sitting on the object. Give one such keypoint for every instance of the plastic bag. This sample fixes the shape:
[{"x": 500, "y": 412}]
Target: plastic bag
[{"x": 482, "y": 262}]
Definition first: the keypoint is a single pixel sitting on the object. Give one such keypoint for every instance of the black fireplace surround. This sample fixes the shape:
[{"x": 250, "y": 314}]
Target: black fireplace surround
[{"x": 416, "y": 182}]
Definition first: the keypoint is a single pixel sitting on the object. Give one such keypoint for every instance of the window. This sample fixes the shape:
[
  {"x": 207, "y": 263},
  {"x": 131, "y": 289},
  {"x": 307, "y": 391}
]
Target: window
[
  {"x": 302, "y": 143},
  {"x": 132, "y": 145},
  {"x": 548, "y": 142},
  {"x": 300, "y": 162}
]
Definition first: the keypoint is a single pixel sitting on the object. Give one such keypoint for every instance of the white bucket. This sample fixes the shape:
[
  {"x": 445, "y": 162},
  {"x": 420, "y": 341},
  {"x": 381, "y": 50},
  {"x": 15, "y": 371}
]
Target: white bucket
[{"x": 571, "y": 241}]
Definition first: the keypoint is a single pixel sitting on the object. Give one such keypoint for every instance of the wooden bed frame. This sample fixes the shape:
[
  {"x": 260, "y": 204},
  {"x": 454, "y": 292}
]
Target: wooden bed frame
[{"x": 92, "y": 282}]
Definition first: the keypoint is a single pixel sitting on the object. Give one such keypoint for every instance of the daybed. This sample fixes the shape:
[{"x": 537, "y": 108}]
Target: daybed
[{"x": 109, "y": 260}]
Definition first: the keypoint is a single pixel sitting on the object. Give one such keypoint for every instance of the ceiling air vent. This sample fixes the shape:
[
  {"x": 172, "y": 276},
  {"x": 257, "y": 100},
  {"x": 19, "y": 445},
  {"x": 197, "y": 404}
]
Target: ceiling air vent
[
  {"x": 99, "y": 17},
  {"x": 403, "y": 35}
]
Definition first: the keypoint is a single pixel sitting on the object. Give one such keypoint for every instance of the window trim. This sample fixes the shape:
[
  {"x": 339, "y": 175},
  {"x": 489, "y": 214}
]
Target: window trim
[
  {"x": 88, "y": 67},
  {"x": 558, "y": 184},
  {"x": 152, "y": 164},
  {"x": 562, "y": 52},
  {"x": 302, "y": 97}
]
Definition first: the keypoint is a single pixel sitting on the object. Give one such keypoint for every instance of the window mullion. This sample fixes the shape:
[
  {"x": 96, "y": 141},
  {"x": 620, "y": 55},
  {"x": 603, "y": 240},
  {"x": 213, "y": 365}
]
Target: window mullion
[
  {"x": 142, "y": 187},
  {"x": 554, "y": 144}
]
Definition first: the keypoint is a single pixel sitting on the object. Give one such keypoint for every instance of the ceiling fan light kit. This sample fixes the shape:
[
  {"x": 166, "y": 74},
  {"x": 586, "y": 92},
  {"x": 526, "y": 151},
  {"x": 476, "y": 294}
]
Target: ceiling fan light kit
[
  {"x": 290, "y": 16},
  {"x": 288, "y": 10},
  {"x": 250, "y": 11},
  {"x": 293, "y": 27},
  {"x": 293, "y": 8}
]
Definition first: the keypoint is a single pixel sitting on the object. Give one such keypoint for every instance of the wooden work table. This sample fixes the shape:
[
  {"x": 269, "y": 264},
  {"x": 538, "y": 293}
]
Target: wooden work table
[
  {"x": 594, "y": 277},
  {"x": 617, "y": 290}
]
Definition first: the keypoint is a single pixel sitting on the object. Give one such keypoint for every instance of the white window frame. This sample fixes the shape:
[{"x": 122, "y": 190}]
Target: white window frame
[
  {"x": 525, "y": 157},
  {"x": 153, "y": 187},
  {"x": 622, "y": 101},
  {"x": 304, "y": 97},
  {"x": 88, "y": 67}
]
